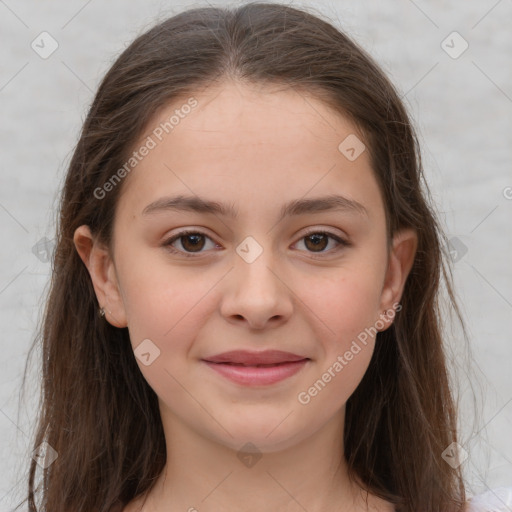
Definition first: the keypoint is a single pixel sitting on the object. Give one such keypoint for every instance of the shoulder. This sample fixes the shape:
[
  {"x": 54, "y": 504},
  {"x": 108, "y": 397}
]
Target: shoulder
[{"x": 494, "y": 500}]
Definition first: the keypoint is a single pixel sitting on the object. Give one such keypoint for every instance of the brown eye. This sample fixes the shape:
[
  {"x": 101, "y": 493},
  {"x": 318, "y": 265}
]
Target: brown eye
[
  {"x": 318, "y": 241},
  {"x": 192, "y": 242}
]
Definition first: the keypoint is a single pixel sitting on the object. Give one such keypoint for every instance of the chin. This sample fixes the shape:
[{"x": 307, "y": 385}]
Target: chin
[{"x": 268, "y": 435}]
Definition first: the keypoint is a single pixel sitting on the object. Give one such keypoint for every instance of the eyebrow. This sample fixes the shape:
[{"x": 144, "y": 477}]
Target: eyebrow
[{"x": 296, "y": 207}]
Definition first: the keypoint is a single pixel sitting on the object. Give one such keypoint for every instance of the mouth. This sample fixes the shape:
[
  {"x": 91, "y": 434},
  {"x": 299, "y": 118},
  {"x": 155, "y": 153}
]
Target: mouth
[
  {"x": 256, "y": 368},
  {"x": 255, "y": 365},
  {"x": 251, "y": 358}
]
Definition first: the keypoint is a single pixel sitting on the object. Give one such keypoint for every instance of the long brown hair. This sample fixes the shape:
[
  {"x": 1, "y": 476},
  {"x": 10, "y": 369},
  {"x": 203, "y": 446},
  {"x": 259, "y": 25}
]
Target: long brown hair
[{"x": 98, "y": 412}]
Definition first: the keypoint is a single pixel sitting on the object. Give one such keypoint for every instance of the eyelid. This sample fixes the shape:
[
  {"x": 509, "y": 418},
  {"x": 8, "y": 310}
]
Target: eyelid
[{"x": 326, "y": 231}]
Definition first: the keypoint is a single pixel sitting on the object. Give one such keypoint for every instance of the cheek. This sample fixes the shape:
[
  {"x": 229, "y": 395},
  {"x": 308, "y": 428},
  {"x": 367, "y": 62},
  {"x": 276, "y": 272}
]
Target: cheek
[
  {"x": 157, "y": 298},
  {"x": 348, "y": 309},
  {"x": 345, "y": 303},
  {"x": 164, "y": 318}
]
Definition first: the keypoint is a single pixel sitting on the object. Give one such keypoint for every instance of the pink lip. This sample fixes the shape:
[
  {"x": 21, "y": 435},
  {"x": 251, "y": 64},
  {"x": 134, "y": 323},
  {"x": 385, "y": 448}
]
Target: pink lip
[
  {"x": 257, "y": 375},
  {"x": 254, "y": 358},
  {"x": 244, "y": 367}
]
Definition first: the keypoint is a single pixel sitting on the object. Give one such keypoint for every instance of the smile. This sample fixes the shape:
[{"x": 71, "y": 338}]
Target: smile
[{"x": 257, "y": 374}]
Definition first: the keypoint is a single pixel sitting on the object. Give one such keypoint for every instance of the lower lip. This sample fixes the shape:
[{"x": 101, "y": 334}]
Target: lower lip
[{"x": 257, "y": 375}]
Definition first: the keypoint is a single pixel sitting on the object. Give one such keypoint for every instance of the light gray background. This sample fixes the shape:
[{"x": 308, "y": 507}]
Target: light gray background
[{"x": 461, "y": 106}]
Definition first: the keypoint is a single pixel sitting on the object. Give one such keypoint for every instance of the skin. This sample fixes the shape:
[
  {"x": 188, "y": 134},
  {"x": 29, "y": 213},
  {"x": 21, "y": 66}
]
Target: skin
[{"x": 257, "y": 148}]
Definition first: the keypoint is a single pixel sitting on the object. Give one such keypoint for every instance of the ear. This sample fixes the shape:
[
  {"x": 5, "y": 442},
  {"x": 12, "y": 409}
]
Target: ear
[
  {"x": 100, "y": 265},
  {"x": 401, "y": 259}
]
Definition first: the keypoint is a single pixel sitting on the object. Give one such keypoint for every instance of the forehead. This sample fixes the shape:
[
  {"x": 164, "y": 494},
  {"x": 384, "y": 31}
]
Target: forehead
[
  {"x": 254, "y": 114},
  {"x": 254, "y": 143}
]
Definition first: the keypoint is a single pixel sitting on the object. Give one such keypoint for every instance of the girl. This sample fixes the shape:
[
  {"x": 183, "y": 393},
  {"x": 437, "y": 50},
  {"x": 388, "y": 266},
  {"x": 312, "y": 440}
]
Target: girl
[{"x": 244, "y": 310}]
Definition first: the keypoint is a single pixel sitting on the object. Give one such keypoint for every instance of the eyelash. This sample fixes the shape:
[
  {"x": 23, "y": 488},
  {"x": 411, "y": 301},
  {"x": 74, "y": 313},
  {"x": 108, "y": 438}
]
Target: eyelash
[{"x": 342, "y": 243}]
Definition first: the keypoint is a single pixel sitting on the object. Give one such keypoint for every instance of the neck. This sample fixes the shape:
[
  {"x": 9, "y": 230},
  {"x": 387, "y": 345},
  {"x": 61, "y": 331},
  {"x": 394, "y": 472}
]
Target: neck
[{"x": 202, "y": 475}]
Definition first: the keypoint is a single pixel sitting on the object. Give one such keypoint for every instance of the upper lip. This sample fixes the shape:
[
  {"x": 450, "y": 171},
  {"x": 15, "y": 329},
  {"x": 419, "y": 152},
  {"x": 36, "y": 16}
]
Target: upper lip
[{"x": 252, "y": 358}]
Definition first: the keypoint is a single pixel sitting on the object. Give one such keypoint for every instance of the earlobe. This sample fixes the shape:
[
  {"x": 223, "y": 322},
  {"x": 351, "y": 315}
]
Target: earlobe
[
  {"x": 100, "y": 266},
  {"x": 401, "y": 259}
]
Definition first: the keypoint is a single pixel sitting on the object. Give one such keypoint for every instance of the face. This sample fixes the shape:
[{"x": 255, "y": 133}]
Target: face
[{"x": 246, "y": 277}]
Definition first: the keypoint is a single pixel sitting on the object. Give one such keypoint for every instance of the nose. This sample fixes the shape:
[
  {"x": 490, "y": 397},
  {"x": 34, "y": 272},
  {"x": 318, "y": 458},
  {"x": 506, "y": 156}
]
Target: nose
[{"x": 257, "y": 293}]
